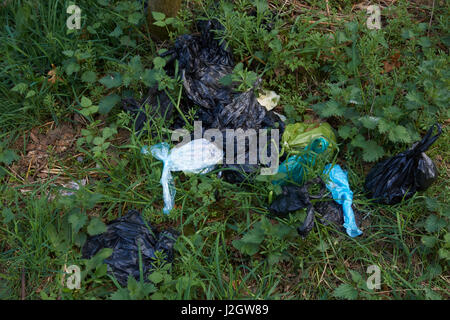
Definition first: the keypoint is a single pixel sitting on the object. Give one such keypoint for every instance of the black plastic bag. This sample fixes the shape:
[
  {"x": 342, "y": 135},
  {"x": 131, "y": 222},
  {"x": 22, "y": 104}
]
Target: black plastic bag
[
  {"x": 159, "y": 106},
  {"x": 126, "y": 236},
  {"x": 244, "y": 166},
  {"x": 332, "y": 212},
  {"x": 203, "y": 62},
  {"x": 401, "y": 176},
  {"x": 294, "y": 198}
]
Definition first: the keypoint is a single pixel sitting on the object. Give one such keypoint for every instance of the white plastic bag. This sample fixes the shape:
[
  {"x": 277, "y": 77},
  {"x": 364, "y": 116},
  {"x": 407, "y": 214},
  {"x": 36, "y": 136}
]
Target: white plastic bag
[{"x": 197, "y": 156}]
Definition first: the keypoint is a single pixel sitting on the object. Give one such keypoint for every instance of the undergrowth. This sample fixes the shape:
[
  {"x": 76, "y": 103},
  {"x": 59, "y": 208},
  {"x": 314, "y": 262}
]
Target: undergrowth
[{"x": 380, "y": 89}]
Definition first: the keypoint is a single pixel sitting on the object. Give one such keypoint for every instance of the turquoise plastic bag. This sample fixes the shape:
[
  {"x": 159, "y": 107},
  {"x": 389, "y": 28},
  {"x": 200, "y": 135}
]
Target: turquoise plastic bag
[
  {"x": 295, "y": 166},
  {"x": 197, "y": 156},
  {"x": 340, "y": 190}
]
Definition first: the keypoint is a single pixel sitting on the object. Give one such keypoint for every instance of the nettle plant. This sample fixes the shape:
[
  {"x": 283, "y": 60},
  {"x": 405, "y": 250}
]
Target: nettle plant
[
  {"x": 98, "y": 141},
  {"x": 241, "y": 78},
  {"x": 437, "y": 227},
  {"x": 378, "y": 109},
  {"x": 271, "y": 240}
]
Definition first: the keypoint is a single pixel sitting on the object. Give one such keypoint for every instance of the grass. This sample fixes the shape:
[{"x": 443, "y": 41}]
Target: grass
[{"x": 408, "y": 241}]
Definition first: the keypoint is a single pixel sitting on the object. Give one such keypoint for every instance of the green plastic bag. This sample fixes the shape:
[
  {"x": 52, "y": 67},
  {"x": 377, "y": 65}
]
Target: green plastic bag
[{"x": 298, "y": 135}]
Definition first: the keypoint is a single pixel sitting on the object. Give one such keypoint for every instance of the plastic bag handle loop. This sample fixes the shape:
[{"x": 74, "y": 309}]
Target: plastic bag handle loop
[
  {"x": 428, "y": 140},
  {"x": 161, "y": 152}
]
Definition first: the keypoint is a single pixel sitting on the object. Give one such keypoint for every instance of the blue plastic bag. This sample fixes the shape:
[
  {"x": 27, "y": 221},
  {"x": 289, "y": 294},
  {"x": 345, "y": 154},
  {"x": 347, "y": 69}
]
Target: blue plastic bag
[
  {"x": 197, "y": 156},
  {"x": 340, "y": 190},
  {"x": 295, "y": 166}
]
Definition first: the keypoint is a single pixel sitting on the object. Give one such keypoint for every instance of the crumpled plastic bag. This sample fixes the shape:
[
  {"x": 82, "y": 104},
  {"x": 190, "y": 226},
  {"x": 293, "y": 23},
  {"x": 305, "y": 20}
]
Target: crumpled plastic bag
[
  {"x": 197, "y": 156},
  {"x": 340, "y": 190},
  {"x": 298, "y": 135},
  {"x": 203, "y": 62},
  {"x": 294, "y": 198},
  {"x": 295, "y": 166},
  {"x": 159, "y": 106},
  {"x": 127, "y": 236},
  {"x": 331, "y": 212},
  {"x": 243, "y": 112},
  {"x": 399, "y": 177},
  {"x": 268, "y": 99},
  {"x": 340, "y": 210}
]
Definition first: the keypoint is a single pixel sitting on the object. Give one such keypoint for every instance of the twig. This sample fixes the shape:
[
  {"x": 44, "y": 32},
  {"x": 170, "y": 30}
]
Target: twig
[{"x": 431, "y": 18}]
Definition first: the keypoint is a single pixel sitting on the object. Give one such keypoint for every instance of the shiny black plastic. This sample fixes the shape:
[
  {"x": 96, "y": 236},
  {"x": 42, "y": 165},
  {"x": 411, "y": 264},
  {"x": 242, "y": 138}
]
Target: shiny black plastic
[
  {"x": 401, "y": 176},
  {"x": 126, "y": 236}
]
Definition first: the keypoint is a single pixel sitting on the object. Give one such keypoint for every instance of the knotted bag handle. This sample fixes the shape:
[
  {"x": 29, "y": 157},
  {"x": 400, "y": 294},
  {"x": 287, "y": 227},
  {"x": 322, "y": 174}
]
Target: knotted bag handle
[{"x": 427, "y": 140}]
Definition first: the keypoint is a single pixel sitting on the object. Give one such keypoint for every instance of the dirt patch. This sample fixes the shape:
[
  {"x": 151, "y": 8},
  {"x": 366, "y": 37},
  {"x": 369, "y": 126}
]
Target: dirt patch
[{"x": 40, "y": 145}]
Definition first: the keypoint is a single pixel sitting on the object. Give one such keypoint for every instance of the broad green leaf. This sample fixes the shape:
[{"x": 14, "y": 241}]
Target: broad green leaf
[
  {"x": 429, "y": 241},
  {"x": 72, "y": 67},
  {"x": 117, "y": 32},
  {"x": 30, "y": 94},
  {"x": 98, "y": 259},
  {"x": 369, "y": 122},
  {"x": 77, "y": 220},
  {"x": 8, "y": 156},
  {"x": 399, "y": 134},
  {"x": 111, "y": 81},
  {"x": 85, "y": 102},
  {"x": 431, "y": 295},
  {"x": 384, "y": 125},
  {"x": 149, "y": 78},
  {"x": 159, "y": 63},
  {"x": 158, "y": 16},
  {"x": 89, "y": 111},
  {"x": 345, "y": 291},
  {"x": 444, "y": 254},
  {"x": 127, "y": 41},
  {"x": 93, "y": 199},
  {"x": 96, "y": 226},
  {"x": 89, "y": 76},
  {"x": 98, "y": 140},
  {"x": 424, "y": 42},
  {"x": 135, "y": 17},
  {"x": 107, "y": 103},
  {"x": 226, "y": 80},
  {"x": 276, "y": 45},
  {"x": 332, "y": 108},
  {"x": 434, "y": 223},
  {"x": 372, "y": 151},
  {"x": 156, "y": 277},
  {"x": 20, "y": 88},
  {"x": 249, "y": 244},
  {"x": 345, "y": 132},
  {"x": 120, "y": 294},
  {"x": 432, "y": 204},
  {"x": 160, "y": 23},
  {"x": 356, "y": 276},
  {"x": 407, "y": 34},
  {"x": 108, "y": 132},
  {"x": 68, "y": 53},
  {"x": 8, "y": 215}
]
